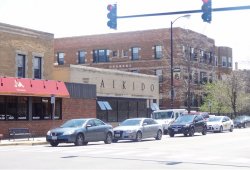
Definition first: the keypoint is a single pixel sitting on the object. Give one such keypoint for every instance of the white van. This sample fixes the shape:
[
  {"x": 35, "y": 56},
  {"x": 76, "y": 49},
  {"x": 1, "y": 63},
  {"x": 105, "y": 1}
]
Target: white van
[{"x": 166, "y": 117}]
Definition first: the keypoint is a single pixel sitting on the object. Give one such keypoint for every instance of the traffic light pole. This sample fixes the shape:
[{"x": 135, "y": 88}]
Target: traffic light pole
[{"x": 187, "y": 12}]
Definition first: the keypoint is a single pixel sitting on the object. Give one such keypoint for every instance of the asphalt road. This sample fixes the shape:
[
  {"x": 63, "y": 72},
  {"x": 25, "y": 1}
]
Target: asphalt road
[{"x": 228, "y": 150}]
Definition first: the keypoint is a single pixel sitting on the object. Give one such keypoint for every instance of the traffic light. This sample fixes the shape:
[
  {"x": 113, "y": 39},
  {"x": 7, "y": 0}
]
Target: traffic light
[
  {"x": 206, "y": 10},
  {"x": 112, "y": 16}
]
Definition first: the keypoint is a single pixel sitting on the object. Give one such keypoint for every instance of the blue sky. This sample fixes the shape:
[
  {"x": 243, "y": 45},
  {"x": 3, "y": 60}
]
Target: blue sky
[{"x": 66, "y": 18}]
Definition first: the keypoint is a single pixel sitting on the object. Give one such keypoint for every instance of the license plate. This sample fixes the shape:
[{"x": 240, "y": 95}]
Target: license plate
[
  {"x": 117, "y": 135},
  {"x": 54, "y": 137},
  {"x": 176, "y": 130}
]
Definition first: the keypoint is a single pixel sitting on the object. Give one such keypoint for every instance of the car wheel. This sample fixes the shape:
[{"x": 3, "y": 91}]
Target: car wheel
[
  {"x": 171, "y": 134},
  {"x": 138, "y": 137},
  {"x": 191, "y": 132},
  {"x": 159, "y": 135},
  {"x": 108, "y": 139},
  {"x": 79, "y": 140},
  {"x": 185, "y": 134},
  {"x": 244, "y": 125},
  {"x": 231, "y": 129},
  {"x": 204, "y": 131},
  {"x": 221, "y": 129},
  {"x": 54, "y": 143},
  {"x": 85, "y": 143}
]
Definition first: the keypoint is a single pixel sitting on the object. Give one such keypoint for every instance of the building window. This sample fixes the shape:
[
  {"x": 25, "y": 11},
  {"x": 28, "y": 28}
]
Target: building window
[
  {"x": 60, "y": 58},
  {"x": 124, "y": 53},
  {"x": 20, "y": 65},
  {"x": 224, "y": 61},
  {"x": 211, "y": 58},
  {"x": 42, "y": 108},
  {"x": 135, "y": 53},
  {"x": 37, "y": 67},
  {"x": 13, "y": 108},
  {"x": 215, "y": 61},
  {"x": 81, "y": 57},
  {"x": 159, "y": 74},
  {"x": 229, "y": 64},
  {"x": 100, "y": 56},
  {"x": 115, "y": 54},
  {"x": 158, "y": 51},
  {"x": 203, "y": 77}
]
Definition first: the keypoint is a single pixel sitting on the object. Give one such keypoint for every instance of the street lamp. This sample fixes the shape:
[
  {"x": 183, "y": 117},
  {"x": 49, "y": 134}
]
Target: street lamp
[{"x": 171, "y": 62}]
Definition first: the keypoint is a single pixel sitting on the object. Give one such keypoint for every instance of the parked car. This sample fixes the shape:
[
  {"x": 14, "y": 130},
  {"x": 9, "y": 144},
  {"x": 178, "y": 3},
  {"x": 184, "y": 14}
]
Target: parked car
[
  {"x": 205, "y": 115},
  {"x": 188, "y": 124},
  {"x": 166, "y": 117},
  {"x": 137, "y": 129},
  {"x": 242, "y": 121},
  {"x": 219, "y": 124},
  {"x": 80, "y": 132}
]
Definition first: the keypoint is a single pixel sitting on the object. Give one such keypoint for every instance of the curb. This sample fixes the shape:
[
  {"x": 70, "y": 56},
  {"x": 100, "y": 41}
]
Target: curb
[{"x": 24, "y": 143}]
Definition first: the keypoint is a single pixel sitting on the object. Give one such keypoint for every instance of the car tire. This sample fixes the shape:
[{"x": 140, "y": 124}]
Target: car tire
[
  {"x": 171, "y": 134},
  {"x": 185, "y": 134},
  {"x": 108, "y": 139},
  {"x": 79, "y": 140},
  {"x": 138, "y": 137},
  {"x": 54, "y": 143},
  {"x": 244, "y": 125},
  {"x": 191, "y": 132},
  {"x": 159, "y": 135},
  {"x": 85, "y": 143},
  {"x": 204, "y": 131},
  {"x": 221, "y": 129},
  {"x": 231, "y": 129}
]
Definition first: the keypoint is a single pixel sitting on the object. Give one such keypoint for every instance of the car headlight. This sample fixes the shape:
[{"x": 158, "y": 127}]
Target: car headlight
[
  {"x": 130, "y": 131},
  {"x": 49, "y": 133},
  {"x": 69, "y": 132},
  {"x": 186, "y": 125}
]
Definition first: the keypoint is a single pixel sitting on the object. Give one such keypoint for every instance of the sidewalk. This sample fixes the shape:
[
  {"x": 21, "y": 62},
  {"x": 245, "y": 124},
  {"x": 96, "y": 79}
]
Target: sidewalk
[{"x": 24, "y": 141}]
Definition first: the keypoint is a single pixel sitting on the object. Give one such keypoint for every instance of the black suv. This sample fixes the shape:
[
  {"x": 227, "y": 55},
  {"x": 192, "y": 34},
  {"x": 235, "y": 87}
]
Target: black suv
[{"x": 188, "y": 124}]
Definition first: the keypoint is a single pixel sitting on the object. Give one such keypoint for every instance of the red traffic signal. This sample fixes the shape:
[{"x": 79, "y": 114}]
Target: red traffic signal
[{"x": 112, "y": 16}]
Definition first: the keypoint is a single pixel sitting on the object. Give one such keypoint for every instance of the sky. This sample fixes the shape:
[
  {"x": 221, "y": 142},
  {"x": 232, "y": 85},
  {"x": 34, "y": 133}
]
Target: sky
[{"x": 66, "y": 18}]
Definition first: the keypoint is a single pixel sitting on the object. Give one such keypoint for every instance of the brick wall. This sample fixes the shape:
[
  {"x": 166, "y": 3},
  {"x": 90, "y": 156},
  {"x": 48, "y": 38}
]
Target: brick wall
[
  {"x": 146, "y": 40},
  {"x": 17, "y": 40},
  {"x": 72, "y": 108}
]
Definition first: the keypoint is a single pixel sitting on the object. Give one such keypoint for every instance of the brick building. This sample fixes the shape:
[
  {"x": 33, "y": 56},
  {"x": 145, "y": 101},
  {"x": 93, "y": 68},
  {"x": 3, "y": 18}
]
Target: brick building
[
  {"x": 196, "y": 59},
  {"x": 26, "y": 88}
]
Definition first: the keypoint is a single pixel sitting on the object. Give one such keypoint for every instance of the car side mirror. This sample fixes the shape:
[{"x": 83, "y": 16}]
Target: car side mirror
[
  {"x": 88, "y": 126},
  {"x": 144, "y": 124}
]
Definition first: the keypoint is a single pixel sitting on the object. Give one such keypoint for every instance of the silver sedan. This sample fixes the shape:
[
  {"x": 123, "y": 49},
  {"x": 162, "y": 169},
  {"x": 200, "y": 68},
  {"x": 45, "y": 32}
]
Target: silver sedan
[{"x": 137, "y": 129}]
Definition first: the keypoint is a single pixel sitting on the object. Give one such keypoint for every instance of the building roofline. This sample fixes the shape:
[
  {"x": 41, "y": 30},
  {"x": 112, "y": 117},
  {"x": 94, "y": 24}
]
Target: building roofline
[
  {"x": 24, "y": 31},
  {"x": 103, "y": 70}
]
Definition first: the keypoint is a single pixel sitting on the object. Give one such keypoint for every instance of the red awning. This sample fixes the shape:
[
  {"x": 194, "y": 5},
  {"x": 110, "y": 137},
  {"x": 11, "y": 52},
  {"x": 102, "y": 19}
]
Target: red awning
[{"x": 32, "y": 87}]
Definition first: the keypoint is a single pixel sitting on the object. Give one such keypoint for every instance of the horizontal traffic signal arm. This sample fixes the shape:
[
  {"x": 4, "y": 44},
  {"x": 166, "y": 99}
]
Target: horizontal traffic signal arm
[{"x": 187, "y": 12}]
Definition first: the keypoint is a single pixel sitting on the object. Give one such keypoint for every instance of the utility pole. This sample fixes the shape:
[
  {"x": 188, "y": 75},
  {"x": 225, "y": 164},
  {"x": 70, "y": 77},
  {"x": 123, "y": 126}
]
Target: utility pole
[{"x": 189, "y": 79}]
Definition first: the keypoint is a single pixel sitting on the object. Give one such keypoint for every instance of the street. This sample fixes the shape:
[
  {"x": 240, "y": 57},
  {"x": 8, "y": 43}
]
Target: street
[{"x": 228, "y": 150}]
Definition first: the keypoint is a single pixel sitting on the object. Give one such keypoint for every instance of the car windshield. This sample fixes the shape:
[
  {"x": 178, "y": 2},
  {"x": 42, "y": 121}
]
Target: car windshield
[
  {"x": 214, "y": 119},
  {"x": 131, "y": 122},
  {"x": 162, "y": 115},
  {"x": 185, "y": 119},
  {"x": 240, "y": 118},
  {"x": 73, "y": 123}
]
